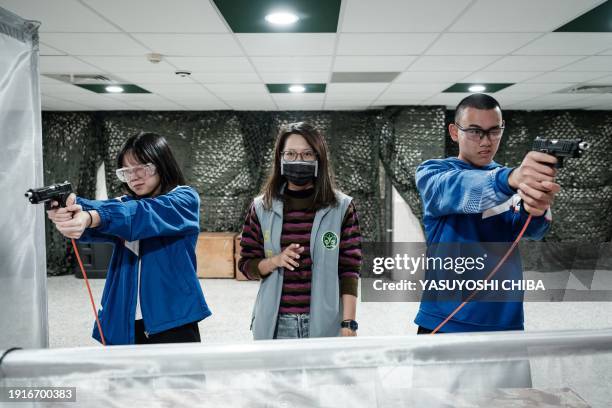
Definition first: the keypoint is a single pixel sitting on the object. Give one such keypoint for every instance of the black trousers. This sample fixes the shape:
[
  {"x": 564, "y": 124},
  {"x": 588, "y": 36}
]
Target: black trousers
[
  {"x": 188, "y": 333},
  {"x": 423, "y": 330}
]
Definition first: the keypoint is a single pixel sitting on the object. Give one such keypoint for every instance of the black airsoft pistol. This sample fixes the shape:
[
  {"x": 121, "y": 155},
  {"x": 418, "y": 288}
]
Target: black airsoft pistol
[
  {"x": 560, "y": 148},
  {"x": 56, "y": 192}
]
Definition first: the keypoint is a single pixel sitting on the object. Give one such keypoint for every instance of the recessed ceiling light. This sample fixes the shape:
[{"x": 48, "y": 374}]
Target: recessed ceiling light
[
  {"x": 114, "y": 89},
  {"x": 297, "y": 88},
  {"x": 281, "y": 18},
  {"x": 477, "y": 88}
]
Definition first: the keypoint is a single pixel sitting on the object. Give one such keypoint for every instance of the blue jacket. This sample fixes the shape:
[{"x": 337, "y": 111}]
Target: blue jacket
[
  {"x": 463, "y": 203},
  {"x": 167, "y": 227}
]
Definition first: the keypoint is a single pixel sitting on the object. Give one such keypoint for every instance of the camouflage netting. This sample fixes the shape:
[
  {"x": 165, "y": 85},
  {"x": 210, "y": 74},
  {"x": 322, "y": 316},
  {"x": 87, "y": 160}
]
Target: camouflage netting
[
  {"x": 226, "y": 156},
  {"x": 72, "y": 147}
]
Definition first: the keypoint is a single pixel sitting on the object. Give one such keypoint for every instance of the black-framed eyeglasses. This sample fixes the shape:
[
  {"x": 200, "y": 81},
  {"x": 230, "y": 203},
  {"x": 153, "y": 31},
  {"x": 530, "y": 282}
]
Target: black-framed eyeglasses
[
  {"x": 291, "y": 155},
  {"x": 477, "y": 134}
]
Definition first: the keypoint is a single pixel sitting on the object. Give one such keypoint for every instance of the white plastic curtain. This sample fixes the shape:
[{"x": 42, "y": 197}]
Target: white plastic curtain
[
  {"x": 23, "y": 298},
  {"x": 504, "y": 369}
]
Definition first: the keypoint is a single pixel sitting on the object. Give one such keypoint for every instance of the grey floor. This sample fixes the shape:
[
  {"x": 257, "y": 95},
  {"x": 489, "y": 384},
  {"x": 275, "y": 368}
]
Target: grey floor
[{"x": 71, "y": 321}]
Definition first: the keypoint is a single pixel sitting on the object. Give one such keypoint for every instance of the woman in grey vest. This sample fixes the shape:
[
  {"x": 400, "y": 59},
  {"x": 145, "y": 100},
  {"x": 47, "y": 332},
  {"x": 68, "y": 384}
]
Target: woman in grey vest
[{"x": 301, "y": 237}]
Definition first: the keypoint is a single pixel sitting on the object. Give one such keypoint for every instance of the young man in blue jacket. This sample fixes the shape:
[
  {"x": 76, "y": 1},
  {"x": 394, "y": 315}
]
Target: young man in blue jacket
[{"x": 472, "y": 199}]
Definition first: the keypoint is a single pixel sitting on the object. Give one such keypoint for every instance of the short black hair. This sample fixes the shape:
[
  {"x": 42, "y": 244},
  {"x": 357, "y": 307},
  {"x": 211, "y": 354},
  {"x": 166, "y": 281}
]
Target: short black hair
[
  {"x": 476, "y": 101},
  {"x": 149, "y": 147}
]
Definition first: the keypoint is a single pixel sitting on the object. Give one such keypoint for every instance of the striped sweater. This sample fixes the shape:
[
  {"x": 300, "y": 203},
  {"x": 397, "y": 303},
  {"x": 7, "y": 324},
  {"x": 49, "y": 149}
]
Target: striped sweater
[{"x": 298, "y": 217}]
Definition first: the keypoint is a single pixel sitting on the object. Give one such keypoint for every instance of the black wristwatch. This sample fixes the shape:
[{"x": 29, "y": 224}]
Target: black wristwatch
[{"x": 349, "y": 324}]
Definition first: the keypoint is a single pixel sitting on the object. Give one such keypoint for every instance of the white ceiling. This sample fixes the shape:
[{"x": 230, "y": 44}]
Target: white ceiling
[{"x": 433, "y": 43}]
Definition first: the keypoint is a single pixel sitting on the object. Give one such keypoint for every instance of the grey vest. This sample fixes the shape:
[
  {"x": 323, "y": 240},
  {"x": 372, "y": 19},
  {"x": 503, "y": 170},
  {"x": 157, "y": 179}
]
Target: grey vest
[{"x": 325, "y": 301}]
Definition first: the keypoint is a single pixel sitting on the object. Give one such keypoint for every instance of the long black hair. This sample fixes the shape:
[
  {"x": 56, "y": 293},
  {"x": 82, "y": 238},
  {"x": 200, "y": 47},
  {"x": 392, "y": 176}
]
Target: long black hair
[
  {"x": 149, "y": 147},
  {"x": 324, "y": 184}
]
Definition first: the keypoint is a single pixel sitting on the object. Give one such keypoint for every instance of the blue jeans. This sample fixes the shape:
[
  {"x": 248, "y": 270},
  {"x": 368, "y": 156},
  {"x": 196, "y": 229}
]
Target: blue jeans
[{"x": 292, "y": 326}]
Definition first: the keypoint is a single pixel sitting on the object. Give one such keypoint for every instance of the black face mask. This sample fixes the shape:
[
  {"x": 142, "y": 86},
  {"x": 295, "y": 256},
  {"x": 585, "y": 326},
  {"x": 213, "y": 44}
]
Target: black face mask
[{"x": 299, "y": 173}]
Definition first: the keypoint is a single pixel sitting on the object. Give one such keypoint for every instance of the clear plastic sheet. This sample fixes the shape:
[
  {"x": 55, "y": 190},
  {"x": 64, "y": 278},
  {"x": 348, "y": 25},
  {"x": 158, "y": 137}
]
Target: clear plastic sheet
[
  {"x": 23, "y": 299},
  {"x": 507, "y": 369}
]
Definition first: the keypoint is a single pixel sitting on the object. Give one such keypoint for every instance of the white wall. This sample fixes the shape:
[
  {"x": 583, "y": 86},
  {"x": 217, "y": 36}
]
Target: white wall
[{"x": 406, "y": 227}]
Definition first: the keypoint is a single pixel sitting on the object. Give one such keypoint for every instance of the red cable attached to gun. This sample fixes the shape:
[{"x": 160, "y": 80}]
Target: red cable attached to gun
[{"x": 60, "y": 192}]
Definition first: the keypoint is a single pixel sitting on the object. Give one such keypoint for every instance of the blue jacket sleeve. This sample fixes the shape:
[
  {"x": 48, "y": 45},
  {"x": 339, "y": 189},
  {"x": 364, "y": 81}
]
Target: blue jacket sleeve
[
  {"x": 91, "y": 235},
  {"x": 171, "y": 214},
  {"x": 448, "y": 190},
  {"x": 538, "y": 226}
]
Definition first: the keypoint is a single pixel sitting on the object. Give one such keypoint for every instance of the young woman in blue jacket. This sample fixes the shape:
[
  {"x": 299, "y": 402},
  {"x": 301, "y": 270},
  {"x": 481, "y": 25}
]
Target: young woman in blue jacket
[{"x": 152, "y": 293}]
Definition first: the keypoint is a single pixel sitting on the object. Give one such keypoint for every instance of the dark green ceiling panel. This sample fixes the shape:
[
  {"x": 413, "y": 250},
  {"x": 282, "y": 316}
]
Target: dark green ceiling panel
[
  {"x": 248, "y": 16},
  {"x": 127, "y": 88},
  {"x": 598, "y": 20},
  {"x": 284, "y": 88},
  {"x": 463, "y": 87}
]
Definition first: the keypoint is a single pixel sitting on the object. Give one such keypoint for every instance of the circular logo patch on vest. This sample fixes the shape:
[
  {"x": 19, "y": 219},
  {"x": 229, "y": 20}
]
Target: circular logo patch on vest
[{"x": 330, "y": 240}]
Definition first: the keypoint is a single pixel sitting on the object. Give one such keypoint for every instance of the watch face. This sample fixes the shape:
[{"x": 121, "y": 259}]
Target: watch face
[{"x": 351, "y": 324}]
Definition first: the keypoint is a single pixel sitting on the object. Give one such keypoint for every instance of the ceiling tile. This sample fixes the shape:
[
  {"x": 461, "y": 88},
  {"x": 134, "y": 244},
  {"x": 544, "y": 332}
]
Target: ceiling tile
[
  {"x": 565, "y": 76},
  {"x": 478, "y": 44},
  {"x": 235, "y": 91},
  {"x": 147, "y": 101},
  {"x": 64, "y": 65},
  {"x": 49, "y": 103},
  {"x": 146, "y": 78},
  {"x": 191, "y": 45},
  {"x": 602, "y": 80},
  {"x": 398, "y": 101},
  {"x": 294, "y": 77},
  {"x": 361, "y": 88},
  {"x": 226, "y": 78},
  {"x": 363, "y": 77},
  {"x": 168, "y": 90},
  {"x": 46, "y": 50},
  {"x": 520, "y": 15},
  {"x": 292, "y": 64},
  {"x": 372, "y": 63},
  {"x": 128, "y": 64},
  {"x": 450, "y": 63},
  {"x": 204, "y": 106},
  {"x": 568, "y": 44},
  {"x": 302, "y": 107},
  {"x": 351, "y": 97},
  {"x": 384, "y": 43},
  {"x": 63, "y": 89},
  {"x": 431, "y": 76},
  {"x": 94, "y": 43},
  {"x": 414, "y": 87},
  {"x": 68, "y": 16},
  {"x": 601, "y": 99},
  {"x": 555, "y": 101},
  {"x": 212, "y": 64},
  {"x": 395, "y": 95},
  {"x": 292, "y": 44},
  {"x": 449, "y": 99},
  {"x": 100, "y": 102},
  {"x": 255, "y": 105},
  {"x": 161, "y": 16},
  {"x": 500, "y": 76},
  {"x": 538, "y": 88},
  {"x": 507, "y": 99},
  {"x": 345, "y": 106},
  {"x": 595, "y": 63},
  {"x": 293, "y": 98},
  {"x": 530, "y": 63},
  {"x": 400, "y": 15}
]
